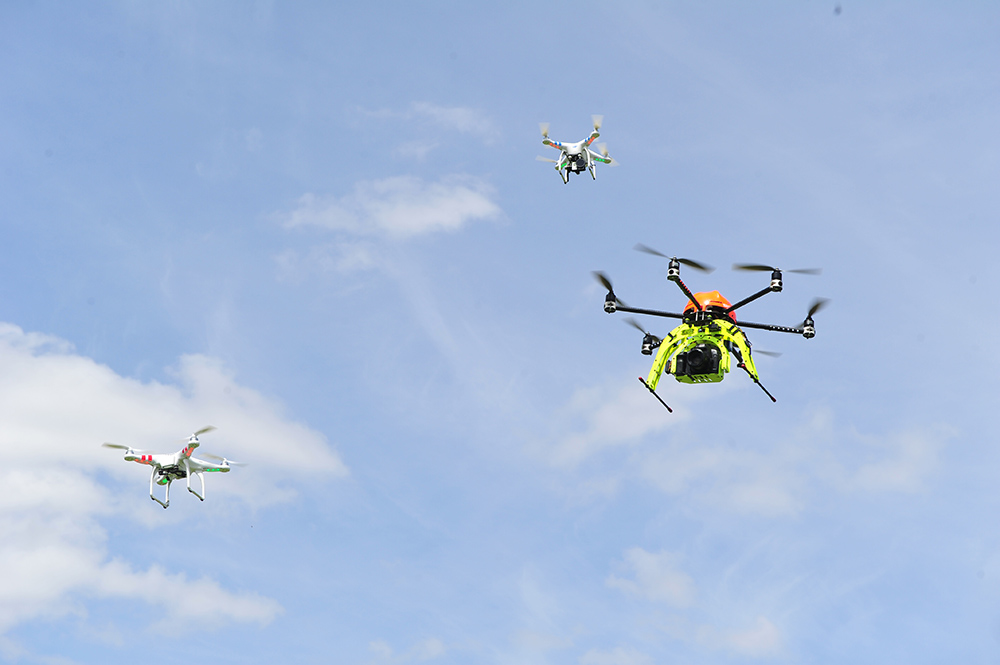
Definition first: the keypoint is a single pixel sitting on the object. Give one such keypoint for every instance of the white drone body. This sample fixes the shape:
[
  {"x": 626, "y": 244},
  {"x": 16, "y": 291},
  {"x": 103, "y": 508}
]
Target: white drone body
[
  {"x": 577, "y": 157},
  {"x": 167, "y": 468}
]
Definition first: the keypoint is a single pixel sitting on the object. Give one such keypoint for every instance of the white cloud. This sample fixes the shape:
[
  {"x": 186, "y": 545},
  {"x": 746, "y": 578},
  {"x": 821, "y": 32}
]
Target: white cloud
[
  {"x": 399, "y": 207},
  {"x": 656, "y": 578},
  {"x": 617, "y": 656},
  {"x": 57, "y": 407}
]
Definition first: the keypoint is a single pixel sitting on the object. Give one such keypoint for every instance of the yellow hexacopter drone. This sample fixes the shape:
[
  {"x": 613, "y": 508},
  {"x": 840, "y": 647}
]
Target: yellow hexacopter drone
[{"x": 700, "y": 349}]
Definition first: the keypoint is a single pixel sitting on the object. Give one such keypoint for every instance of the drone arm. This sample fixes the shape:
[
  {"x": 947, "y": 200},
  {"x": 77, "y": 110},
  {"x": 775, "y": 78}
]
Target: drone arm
[
  {"x": 599, "y": 158},
  {"x": 759, "y": 294},
  {"x": 651, "y": 312},
  {"x": 690, "y": 296},
  {"x": 772, "y": 328},
  {"x": 590, "y": 139}
]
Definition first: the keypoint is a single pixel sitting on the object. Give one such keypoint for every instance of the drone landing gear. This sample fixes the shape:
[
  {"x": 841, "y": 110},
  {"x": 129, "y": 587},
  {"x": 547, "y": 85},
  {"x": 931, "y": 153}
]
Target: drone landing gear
[
  {"x": 565, "y": 176},
  {"x": 757, "y": 381},
  {"x": 593, "y": 172},
  {"x": 152, "y": 487},
  {"x": 201, "y": 477},
  {"x": 643, "y": 381}
]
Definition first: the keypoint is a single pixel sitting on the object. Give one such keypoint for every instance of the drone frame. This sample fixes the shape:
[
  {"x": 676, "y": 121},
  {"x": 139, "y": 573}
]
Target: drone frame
[
  {"x": 166, "y": 468},
  {"x": 807, "y": 330},
  {"x": 573, "y": 153}
]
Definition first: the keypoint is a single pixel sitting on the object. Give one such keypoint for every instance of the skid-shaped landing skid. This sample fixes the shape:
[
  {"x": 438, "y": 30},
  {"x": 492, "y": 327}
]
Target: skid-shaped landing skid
[
  {"x": 152, "y": 487},
  {"x": 201, "y": 477}
]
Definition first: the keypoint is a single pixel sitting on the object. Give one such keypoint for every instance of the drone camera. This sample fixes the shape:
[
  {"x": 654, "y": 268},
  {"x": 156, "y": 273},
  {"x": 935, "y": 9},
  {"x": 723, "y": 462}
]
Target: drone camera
[
  {"x": 610, "y": 306},
  {"x": 776, "y": 281},
  {"x": 702, "y": 359}
]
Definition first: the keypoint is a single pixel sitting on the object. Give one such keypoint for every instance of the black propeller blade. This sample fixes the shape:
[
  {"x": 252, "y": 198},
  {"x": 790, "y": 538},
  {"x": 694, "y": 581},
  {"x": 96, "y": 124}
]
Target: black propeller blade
[
  {"x": 817, "y": 305},
  {"x": 635, "y": 324},
  {"x": 773, "y": 354},
  {"x": 639, "y": 247},
  {"x": 603, "y": 279},
  {"x": 606, "y": 283},
  {"x": 757, "y": 267}
]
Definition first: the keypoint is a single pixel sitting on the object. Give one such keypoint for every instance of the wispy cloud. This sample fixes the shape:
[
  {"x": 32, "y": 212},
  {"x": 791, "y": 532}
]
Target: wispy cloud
[
  {"x": 776, "y": 480},
  {"x": 762, "y": 639},
  {"x": 655, "y": 577},
  {"x": 617, "y": 656},
  {"x": 398, "y": 208},
  {"x": 458, "y": 119},
  {"x": 911, "y": 458},
  {"x": 424, "y": 650},
  {"x": 608, "y": 417},
  {"x": 191, "y": 603}
]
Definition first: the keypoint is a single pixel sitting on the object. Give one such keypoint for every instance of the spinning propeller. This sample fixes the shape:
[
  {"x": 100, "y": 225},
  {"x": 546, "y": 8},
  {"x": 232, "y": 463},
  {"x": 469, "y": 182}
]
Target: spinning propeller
[
  {"x": 808, "y": 331},
  {"x": 118, "y": 446},
  {"x": 130, "y": 452},
  {"x": 203, "y": 430},
  {"x": 223, "y": 460},
  {"x": 816, "y": 305},
  {"x": 603, "y": 149},
  {"x": 611, "y": 301},
  {"x": 649, "y": 340},
  {"x": 762, "y": 268},
  {"x": 635, "y": 324},
  {"x": 544, "y": 126},
  {"x": 598, "y": 121},
  {"x": 639, "y": 247}
]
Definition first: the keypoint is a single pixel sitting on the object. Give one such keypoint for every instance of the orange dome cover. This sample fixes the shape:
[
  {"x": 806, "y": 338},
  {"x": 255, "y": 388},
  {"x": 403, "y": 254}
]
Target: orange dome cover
[{"x": 710, "y": 299}]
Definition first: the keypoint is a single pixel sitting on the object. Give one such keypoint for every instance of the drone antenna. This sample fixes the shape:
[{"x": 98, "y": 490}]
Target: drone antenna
[
  {"x": 757, "y": 381},
  {"x": 643, "y": 382}
]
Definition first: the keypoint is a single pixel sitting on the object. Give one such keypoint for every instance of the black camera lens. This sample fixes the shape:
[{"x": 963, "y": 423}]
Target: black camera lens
[{"x": 697, "y": 358}]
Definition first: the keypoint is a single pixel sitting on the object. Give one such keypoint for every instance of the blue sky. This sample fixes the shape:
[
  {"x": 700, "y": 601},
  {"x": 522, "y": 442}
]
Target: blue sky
[{"x": 322, "y": 229}]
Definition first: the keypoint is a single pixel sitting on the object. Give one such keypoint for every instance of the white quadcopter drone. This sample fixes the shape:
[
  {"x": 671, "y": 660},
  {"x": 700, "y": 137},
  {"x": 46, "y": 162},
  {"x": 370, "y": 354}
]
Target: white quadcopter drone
[
  {"x": 168, "y": 468},
  {"x": 576, "y": 157}
]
